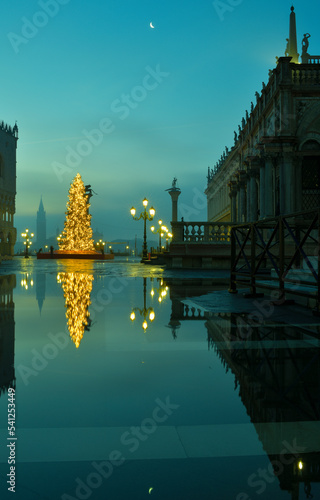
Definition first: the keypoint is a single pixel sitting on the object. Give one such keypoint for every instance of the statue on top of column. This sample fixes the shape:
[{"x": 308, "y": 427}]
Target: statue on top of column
[{"x": 174, "y": 185}]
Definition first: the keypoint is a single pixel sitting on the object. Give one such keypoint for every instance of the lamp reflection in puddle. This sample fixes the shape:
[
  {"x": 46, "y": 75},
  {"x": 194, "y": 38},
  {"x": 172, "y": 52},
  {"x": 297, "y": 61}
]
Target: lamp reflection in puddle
[
  {"x": 162, "y": 289},
  {"x": 145, "y": 312},
  {"x": 77, "y": 288},
  {"x": 27, "y": 281},
  {"x": 148, "y": 312}
]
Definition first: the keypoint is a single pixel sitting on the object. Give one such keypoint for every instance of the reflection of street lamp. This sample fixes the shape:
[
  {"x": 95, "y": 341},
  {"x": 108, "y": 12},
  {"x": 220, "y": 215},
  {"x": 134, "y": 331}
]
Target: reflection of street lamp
[
  {"x": 162, "y": 290},
  {"x": 25, "y": 282},
  {"x": 145, "y": 216},
  {"x": 27, "y": 237},
  {"x": 145, "y": 312}
]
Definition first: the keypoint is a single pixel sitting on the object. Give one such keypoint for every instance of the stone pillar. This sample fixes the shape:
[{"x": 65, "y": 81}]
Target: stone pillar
[
  {"x": 262, "y": 191},
  {"x": 174, "y": 193},
  {"x": 248, "y": 189},
  {"x": 241, "y": 215},
  {"x": 268, "y": 188},
  {"x": 233, "y": 199},
  {"x": 242, "y": 202},
  {"x": 253, "y": 197},
  {"x": 288, "y": 201}
]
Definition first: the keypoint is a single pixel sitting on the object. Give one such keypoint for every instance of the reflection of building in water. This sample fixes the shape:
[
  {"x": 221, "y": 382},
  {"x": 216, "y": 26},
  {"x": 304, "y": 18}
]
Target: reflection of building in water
[
  {"x": 7, "y": 375},
  {"x": 183, "y": 289},
  {"x": 40, "y": 289},
  {"x": 41, "y": 233},
  {"x": 277, "y": 370},
  {"x": 77, "y": 288}
]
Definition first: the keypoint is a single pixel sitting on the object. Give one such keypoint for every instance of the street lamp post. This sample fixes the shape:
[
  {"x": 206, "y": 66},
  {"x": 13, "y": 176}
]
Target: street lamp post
[
  {"x": 145, "y": 216},
  {"x": 27, "y": 237},
  {"x": 160, "y": 231},
  {"x": 100, "y": 246},
  {"x": 163, "y": 231}
]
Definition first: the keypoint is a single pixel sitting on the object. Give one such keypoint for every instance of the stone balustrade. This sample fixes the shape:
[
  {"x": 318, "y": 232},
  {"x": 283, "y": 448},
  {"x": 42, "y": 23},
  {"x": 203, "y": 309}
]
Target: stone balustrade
[
  {"x": 314, "y": 60},
  {"x": 306, "y": 75},
  {"x": 201, "y": 232}
]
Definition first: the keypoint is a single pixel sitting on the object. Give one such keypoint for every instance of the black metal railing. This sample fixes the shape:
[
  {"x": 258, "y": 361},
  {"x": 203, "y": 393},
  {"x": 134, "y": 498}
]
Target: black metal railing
[{"x": 276, "y": 252}]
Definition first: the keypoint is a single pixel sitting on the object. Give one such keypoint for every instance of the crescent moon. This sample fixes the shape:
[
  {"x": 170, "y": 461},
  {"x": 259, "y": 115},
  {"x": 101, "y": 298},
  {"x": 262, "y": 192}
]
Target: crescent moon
[{"x": 151, "y": 25}]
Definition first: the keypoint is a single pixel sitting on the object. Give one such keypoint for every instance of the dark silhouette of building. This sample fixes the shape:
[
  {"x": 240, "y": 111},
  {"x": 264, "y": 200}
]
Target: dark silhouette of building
[
  {"x": 7, "y": 373},
  {"x": 8, "y": 147}
]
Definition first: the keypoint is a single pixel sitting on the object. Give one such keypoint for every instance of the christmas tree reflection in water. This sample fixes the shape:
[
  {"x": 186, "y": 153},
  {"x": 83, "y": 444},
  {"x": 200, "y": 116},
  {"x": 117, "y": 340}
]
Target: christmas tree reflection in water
[{"x": 77, "y": 288}]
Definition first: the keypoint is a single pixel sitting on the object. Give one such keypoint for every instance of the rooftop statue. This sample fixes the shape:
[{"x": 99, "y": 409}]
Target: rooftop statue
[
  {"x": 305, "y": 43},
  {"x": 286, "y": 52},
  {"x": 174, "y": 185}
]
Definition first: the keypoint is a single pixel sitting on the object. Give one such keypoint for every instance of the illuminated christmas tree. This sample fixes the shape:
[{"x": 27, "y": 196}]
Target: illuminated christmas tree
[{"x": 77, "y": 232}]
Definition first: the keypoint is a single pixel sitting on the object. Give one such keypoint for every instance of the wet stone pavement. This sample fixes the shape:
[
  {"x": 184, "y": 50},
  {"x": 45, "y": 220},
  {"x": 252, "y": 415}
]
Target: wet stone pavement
[{"x": 120, "y": 380}]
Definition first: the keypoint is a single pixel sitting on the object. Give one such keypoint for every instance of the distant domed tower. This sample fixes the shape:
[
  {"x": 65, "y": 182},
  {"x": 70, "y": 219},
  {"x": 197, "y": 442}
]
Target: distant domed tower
[{"x": 41, "y": 236}]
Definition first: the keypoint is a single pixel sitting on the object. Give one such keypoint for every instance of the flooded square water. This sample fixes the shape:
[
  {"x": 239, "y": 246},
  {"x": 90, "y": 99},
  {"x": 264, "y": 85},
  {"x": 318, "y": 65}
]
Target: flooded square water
[{"x": 116, "y": 384}]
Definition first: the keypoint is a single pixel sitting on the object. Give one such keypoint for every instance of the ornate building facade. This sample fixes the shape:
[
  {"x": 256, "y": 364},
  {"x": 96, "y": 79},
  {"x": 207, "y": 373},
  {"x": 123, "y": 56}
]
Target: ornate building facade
[
  {"x": 8, "y": 147},
  {"x": 274, "y": 165}
]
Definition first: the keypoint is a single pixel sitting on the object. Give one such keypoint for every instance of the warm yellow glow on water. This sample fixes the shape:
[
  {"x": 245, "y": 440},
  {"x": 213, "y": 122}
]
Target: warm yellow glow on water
[{"x": 77, "y": 288}]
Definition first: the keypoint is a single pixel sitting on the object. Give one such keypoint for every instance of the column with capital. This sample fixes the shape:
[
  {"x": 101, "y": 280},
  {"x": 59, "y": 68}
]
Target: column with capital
[
  {"x": 253, "y": 196},
  {"x": 248, "y": 197},
  {"x": 177, "y": 229},
  {"x": 242, "y": 191},
  {"x": 174, "y": 192},
  {"x": 262, "y": 190},
  {"x": 233, "y": 198},
  {"x": 253, "y": 175}
]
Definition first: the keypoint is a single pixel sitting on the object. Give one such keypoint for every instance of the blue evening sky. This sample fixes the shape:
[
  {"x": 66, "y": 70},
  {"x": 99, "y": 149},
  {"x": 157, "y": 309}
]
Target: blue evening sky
[{"x": 157, "y": 103}]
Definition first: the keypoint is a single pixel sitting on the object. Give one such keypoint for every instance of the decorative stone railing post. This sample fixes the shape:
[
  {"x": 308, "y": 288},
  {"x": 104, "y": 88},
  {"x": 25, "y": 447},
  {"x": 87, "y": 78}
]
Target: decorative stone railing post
[{"x": 177, "y": 231}]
